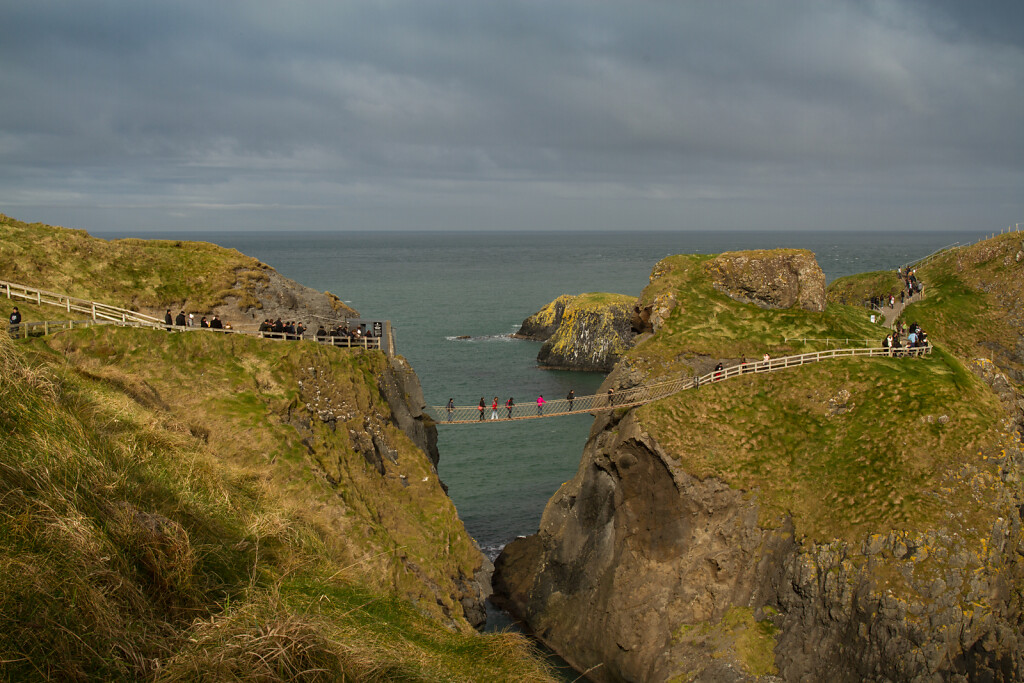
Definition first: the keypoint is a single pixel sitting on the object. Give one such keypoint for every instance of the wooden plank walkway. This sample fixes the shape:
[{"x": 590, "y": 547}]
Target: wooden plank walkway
[{"x": 466, "y": 415}]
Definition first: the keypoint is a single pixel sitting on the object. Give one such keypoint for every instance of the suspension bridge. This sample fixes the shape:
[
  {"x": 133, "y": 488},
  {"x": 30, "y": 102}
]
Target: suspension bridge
[{"x": 646, "y": 393}]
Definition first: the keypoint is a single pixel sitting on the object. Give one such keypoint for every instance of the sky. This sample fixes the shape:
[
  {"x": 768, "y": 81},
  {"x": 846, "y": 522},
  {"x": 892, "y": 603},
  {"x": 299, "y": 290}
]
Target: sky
[{"x": 518, "y": 115}]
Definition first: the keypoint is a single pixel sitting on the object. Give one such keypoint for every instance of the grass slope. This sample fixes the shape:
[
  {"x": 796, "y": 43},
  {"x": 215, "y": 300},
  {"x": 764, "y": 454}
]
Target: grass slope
[
  {"x": 162, "y": 519},
  {"x": 704, "y": 321},
  {"x": 844, "y": 447},
  {"x": 130, "y": 273}
]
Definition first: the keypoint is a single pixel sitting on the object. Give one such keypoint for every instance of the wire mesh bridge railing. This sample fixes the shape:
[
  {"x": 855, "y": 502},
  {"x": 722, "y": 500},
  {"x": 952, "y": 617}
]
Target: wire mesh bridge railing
[{"x": 647, "y": 393}]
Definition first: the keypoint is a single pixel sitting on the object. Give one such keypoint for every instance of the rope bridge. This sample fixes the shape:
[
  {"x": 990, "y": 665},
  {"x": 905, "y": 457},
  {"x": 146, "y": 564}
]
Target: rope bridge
[{"x": 646, "y": 393}]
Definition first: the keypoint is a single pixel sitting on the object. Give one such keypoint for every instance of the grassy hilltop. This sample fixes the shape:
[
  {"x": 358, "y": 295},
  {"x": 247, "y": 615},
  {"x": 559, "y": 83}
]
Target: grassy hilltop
[
  {"x": 136, "y": 274},
  {"x": 848, "y": 447},
  {"x": 700, "y": 320},
  {"x": 214, "y": 507}
]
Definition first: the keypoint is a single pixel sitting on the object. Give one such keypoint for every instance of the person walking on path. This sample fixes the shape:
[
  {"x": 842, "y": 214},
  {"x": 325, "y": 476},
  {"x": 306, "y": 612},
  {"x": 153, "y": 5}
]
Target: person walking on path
[
  {"x": 540, "y": 404},
  {"x": 494, "y": 408},
  {"x": 15, "y": 321},
  {"x": 570, "y": 397},
  {"x": 480, "y": 409},
  {"x": 451, "y": 401},
  {"x": 168, "y": 320},
  {"x": 509, "y": 405}
]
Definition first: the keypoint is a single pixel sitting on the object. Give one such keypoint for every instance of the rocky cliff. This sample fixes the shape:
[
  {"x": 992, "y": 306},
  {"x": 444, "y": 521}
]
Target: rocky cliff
[
  {"x": 849, "y": 522},
  {"x": 588, "y": 332}
]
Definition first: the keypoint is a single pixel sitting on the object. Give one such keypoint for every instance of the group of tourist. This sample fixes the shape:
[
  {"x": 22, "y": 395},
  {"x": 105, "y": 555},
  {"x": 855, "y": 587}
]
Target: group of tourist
[
  {"x": 343, "y": 332},
  {"x": 910, "y": 286},
  {"x": 181, "y": 320},
  {"x": 277, "y": 329},
  {"x": 285, "y": 330},
  {"x": 915, "y": 338},
  {"x": 509, "y": 406}
]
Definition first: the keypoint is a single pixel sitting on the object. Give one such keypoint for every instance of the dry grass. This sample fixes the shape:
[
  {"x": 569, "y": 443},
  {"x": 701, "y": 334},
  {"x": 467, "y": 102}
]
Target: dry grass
[
  {"x": 130, "y": 273},
  {"x": 134, "y": 547}
]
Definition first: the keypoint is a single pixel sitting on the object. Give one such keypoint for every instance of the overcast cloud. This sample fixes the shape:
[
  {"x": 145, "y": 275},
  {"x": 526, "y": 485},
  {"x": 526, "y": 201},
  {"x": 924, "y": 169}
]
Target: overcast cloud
[{"x": 899, "y": 114}]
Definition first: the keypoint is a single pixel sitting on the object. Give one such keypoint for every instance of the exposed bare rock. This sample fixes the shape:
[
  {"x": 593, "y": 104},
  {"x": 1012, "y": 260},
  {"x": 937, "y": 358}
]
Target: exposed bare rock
[
  {"x": 280, "y": 297},
  {"x": 777, "y": 278}
]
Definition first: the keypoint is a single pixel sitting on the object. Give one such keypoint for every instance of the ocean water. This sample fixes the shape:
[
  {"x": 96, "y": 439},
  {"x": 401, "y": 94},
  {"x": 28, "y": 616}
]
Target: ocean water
[{"x": 437, "y": 286}]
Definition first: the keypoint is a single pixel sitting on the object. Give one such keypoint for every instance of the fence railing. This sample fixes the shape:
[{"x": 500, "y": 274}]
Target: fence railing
[
  {"x": 650, "y": 392},
  {"x": 96, "y": 310},
  {"x": 38, "y": 329}
]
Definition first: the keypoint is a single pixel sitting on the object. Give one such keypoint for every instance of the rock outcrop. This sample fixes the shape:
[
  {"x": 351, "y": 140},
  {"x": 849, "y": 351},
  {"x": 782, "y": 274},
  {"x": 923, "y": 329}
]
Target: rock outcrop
[
  {"x": 588, "y": 332},
  {"x": 281, "y": 297},
  {"x": 779, "y": 278}
]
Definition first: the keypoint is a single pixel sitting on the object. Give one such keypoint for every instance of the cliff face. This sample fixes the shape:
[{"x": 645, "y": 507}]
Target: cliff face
[
  {"x": 588, "y": 332},
  {"x": 641, "y": 571}
]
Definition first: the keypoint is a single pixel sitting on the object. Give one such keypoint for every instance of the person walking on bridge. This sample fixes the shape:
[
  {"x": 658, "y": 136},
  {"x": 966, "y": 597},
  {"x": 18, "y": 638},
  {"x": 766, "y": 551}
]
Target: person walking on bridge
[
  {"x": 509, "y": 405},
  {"x": 540, "y": 404},
  {"x": 451, "y": 401},
  {"x": 494, "y": 408},
  {"x": 480, "y": 409},
  {"x": 570, "y": 398}
]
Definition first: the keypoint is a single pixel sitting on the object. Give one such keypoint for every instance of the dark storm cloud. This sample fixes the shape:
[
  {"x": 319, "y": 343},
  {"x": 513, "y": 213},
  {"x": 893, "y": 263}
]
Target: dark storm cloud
[{"x": 528, "y": 114}]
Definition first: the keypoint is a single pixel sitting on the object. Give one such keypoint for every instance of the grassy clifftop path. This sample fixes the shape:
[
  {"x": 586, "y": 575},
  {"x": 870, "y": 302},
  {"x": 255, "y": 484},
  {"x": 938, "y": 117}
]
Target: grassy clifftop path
[{"x": 152, "y": 276}]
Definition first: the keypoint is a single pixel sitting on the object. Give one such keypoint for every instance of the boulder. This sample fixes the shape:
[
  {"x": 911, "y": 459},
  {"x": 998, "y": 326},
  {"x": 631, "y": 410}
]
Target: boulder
[{"x": 777, "y": 278}]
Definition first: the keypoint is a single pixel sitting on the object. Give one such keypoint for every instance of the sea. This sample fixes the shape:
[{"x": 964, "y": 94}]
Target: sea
[{"x": 455, "y": 298}]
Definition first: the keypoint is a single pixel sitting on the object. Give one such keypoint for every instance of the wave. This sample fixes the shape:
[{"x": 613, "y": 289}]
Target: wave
[{"x": 482, "y": 338}]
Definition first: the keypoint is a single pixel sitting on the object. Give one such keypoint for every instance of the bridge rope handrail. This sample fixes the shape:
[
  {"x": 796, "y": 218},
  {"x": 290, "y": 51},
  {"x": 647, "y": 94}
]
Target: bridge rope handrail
[{"x": 647, "y": 393}]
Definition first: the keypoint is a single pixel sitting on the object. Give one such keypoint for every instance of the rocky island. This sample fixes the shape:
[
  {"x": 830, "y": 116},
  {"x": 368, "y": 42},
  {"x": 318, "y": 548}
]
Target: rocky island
[
  {"x": 587, "y": 332},
  {"x": 845, "y": 521}
]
